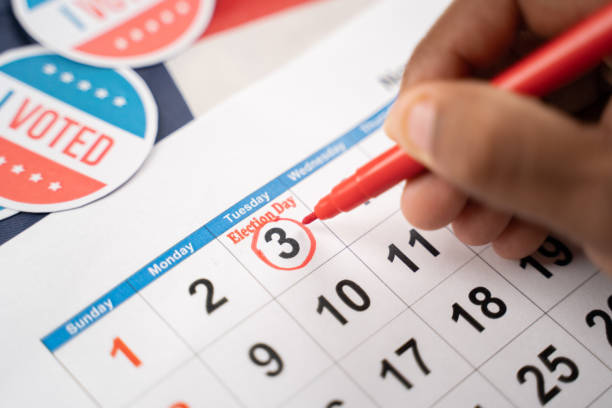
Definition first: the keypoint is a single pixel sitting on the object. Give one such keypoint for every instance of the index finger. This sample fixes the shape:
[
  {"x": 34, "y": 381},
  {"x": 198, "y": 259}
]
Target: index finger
[{"x": 473, "y": 34}]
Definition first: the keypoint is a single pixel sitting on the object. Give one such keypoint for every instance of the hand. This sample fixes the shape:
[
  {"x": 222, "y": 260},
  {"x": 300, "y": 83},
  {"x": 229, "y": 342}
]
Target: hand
[{"x": 506, "y": 169}]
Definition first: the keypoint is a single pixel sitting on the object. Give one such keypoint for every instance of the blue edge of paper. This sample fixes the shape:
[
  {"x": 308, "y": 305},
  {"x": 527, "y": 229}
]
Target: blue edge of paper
[{"x": 206, "y": 233}]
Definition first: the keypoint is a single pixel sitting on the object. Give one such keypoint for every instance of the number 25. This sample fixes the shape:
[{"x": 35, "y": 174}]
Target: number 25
[{"x": 546, "y": 395}]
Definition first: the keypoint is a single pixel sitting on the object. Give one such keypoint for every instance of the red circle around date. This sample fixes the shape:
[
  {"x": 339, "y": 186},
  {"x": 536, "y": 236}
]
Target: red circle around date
[{"x": 260, "y": 254}]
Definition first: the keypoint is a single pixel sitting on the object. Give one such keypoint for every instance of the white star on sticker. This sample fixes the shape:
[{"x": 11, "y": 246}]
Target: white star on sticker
[
  {"x": 55, "y": 186},
  {"x": 49, "y": 69},
  {"x": 121, "y": 43},
  {"x": 101, "y": 93},
  {"x": 166, "y": 16},
  {"x": 119, "y": 101},
  {"x": 152, "y": 26},
  {"x": 2, "y": 160},
  {"x": 66, "y": 77},
  {"x": 35, "y": 177},
  {"x": 182, "y": 7},
  {"x": 17, "y": 169},
  {"x": 84, "y": 85},
  {"x": 136, "y": 34}
]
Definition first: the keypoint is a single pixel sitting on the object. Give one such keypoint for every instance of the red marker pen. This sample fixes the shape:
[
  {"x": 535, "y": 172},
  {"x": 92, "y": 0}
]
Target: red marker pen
[{"x": 550, "y": 67}]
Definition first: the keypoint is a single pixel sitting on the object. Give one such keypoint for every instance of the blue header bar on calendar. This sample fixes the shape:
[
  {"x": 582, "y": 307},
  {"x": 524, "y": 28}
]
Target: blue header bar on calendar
[
  {"x": 171, "y": 258},
  {"x": 245, "y": 207},
  {"x": 329, "y": 152},
  {"x": 88, "y": 316},
  {"x": 214, "y": 228}
]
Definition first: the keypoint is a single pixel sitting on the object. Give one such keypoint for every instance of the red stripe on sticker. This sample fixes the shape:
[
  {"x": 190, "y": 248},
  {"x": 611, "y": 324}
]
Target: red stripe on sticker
[
  {"x": 28, "y": 177},
  {"x": 153, "y": 29},
  {"x": 232, "y": 13}
]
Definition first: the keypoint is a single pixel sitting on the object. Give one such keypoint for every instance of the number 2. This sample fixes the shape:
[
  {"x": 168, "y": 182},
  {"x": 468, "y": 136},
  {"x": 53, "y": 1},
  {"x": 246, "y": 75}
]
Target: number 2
[
  {"x": 211, "y": 305},
  {"x": 590, "y": 319}
]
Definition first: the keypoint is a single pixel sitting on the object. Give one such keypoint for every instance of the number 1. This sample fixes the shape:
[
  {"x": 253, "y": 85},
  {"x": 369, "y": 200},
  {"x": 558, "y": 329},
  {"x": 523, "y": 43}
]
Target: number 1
[
  {"x": 119, "y": 345},
  {"x": 458, "y": 311}
]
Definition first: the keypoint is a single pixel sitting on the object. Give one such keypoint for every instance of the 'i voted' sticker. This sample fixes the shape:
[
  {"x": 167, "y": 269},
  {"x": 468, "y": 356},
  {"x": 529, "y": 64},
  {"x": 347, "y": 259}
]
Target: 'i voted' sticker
[
  {"x": 5, "y": 213},
  {"x": 115, "y": 33},
  {"x": 69, "y": 133}
]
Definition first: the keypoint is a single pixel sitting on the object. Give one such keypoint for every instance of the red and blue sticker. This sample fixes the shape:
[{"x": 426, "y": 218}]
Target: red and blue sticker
[
  {"x": 115, "y": 33},
  {"x": 5, "y": 213},
  {"x": 69, "y": 133}
]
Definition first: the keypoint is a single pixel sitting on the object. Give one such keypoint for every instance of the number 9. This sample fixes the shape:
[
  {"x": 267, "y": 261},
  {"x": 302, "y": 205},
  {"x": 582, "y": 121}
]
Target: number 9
[{"x": 271, "y": 356}]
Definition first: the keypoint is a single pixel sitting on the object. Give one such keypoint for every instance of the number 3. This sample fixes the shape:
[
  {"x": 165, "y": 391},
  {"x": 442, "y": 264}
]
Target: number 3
[{"x": 282, "y": 239}]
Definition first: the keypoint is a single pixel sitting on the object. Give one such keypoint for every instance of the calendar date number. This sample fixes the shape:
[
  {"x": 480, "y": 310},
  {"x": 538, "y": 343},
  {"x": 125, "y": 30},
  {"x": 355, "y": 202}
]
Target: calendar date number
[
  {"x": 284, "y": 244},
  {"x": 546, "y": 394}
]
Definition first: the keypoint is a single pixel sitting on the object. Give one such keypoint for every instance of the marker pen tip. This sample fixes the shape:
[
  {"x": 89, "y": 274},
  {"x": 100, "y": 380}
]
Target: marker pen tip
[{"x": 309, "y": 218}]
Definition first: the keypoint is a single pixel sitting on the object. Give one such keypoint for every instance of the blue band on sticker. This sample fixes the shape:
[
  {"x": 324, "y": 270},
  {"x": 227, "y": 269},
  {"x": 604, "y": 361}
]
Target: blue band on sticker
[
  {"x": 101, "y": 92},
  {"x": 35, "y": 3}
]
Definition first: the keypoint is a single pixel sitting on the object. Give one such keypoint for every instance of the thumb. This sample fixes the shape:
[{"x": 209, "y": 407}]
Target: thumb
[{"x": 511, "y": 152}]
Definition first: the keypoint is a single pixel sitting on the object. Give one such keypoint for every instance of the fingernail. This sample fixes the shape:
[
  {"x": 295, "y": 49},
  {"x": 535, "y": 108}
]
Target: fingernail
[{"x": 421, "y": 121}]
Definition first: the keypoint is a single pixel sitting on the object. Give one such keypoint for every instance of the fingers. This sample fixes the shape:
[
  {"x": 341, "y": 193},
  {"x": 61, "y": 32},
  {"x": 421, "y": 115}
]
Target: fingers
[
  {"x": 548, "y": 18},
  {"x": 470, "y": 34},
  {"x": 603, "y": 259},
  {"x": 428, "y": 202},
  {"x": 473, "y": 34},
  {"x": 510, "y": 152},
  {"x": 478, "y": 224},
  {"x": 519, "y": 239}
]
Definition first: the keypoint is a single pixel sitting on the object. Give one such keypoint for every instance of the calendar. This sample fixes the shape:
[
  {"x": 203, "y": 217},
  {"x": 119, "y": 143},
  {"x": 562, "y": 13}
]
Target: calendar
[{"x": 196, "y": 284}]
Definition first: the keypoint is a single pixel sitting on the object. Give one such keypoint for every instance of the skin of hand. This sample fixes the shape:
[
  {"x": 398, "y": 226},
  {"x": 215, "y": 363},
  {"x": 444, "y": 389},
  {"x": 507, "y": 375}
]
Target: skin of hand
[{"x": 506, "y": 169}]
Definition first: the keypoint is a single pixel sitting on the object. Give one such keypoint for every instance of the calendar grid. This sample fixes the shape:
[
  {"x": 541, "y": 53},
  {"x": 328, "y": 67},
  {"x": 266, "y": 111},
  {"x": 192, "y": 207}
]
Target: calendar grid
[
  {"x": 406, "y": 305},
  {"x": 463, "y": 380},
  {"x": 570, "y": 333},
  {"x": 218, "y": 225},
  {"x": 274, "y": 299},
  {"x": 546, "y": 312},
  {"x": 194, "y": 352},
  {"x": 335, "y": 360},
  {"x": 599, "y": 396},
  {"x": 79, "y": 383},
  {"x": 476, "y": 369},
  {"x": 160, "y": 380}
]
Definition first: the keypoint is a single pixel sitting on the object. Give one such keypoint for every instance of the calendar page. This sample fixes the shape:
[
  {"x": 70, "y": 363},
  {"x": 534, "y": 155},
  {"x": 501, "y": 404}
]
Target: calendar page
[{"x": 196, "y": 285}]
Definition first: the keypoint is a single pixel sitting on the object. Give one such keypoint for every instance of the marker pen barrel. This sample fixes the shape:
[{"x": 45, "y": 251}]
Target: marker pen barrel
[
  {"x": 374, "y": 178},
  {"x": 550, "y": 67}
]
